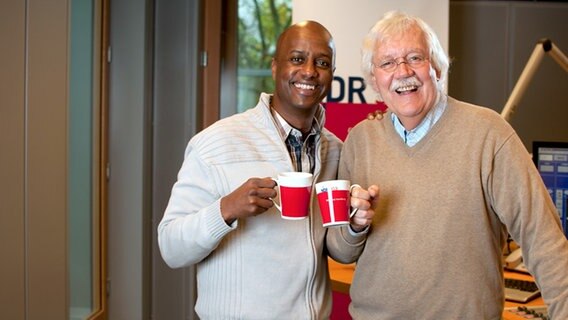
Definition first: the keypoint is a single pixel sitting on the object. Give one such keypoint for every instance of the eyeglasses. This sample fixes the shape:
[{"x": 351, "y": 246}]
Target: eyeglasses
[{"x": 412, "y": 60}]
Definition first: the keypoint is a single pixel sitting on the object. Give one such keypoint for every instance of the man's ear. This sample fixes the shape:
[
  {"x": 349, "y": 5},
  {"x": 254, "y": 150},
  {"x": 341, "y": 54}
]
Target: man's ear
[
  {"x": 273, "y": 68},
  {"x": 374, "y": 84}
]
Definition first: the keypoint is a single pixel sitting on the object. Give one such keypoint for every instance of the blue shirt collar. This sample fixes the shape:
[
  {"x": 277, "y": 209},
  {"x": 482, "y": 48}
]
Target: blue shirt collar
[{"x": 413, "y": 136}]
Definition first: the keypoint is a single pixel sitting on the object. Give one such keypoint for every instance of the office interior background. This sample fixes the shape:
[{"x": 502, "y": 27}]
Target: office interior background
[{"x": 99, "y": 98}]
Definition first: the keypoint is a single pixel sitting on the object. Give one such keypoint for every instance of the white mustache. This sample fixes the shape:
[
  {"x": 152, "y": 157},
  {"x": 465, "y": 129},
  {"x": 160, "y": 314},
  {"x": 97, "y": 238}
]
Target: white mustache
[{"x": 410, "y": 81}]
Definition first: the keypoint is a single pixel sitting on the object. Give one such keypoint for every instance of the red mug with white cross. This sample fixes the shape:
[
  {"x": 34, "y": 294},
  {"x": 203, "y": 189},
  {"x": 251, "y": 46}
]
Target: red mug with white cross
[{"x": 334, "y": 202}]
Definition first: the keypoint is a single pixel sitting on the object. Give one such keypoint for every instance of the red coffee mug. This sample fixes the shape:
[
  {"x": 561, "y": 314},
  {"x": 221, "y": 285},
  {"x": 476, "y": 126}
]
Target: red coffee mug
[
  {"x": 294, "y": 189},
  {"x": 334, "y": 202}
]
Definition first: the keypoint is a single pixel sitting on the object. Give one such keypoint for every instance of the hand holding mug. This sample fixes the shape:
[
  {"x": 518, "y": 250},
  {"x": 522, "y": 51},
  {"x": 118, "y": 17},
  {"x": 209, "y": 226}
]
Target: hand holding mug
[
  {"x": 362, "y": 199},
  {"x": 250, "y": 199}
]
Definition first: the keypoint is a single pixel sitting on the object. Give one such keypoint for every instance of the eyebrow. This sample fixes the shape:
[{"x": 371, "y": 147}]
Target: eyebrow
[
  {"x": 327, "y": 55},
  {"x": 415, "y": 50}
]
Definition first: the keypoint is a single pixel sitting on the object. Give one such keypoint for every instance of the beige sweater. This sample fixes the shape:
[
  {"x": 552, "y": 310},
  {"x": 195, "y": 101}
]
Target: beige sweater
[{"x": 434, "y": 249}]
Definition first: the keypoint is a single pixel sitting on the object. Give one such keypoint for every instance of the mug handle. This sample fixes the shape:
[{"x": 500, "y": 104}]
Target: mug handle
[
  {"x": 354, "y": 211},
  {"x": 278, "y": 206}
]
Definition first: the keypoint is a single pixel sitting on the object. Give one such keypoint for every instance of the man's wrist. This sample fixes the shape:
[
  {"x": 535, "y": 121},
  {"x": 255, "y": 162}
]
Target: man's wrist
[{"x": 358, "y": 231}]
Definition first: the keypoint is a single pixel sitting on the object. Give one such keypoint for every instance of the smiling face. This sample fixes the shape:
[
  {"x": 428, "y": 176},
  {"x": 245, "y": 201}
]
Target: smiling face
[
  {"x": 410, "y": 92},
  {"x": 302, "y": 70}
]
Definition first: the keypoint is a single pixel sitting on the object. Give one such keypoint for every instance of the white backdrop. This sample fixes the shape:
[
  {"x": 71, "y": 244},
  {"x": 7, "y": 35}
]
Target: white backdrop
[{"x": 350, "y": 20}]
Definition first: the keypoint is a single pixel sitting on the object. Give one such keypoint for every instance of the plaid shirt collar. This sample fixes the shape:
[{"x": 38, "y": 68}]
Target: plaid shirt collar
[{"x": 284, "y": 128}]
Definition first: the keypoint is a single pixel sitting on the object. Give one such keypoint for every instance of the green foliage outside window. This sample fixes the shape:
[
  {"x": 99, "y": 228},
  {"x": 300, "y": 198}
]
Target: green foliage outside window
[{"x": 260, "y": 24}]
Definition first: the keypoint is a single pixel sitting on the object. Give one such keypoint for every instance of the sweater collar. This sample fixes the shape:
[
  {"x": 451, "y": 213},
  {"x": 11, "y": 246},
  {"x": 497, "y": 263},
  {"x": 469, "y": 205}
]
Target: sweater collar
[
  {"x": 284, "y": 128},
  {"x": 413, "y": 136}
]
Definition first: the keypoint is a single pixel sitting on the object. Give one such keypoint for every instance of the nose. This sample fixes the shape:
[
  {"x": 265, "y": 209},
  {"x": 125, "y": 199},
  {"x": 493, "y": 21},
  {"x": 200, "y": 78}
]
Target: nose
[
  {"x": 403, "y": 68},
  {"x": 309, "y": 69}
]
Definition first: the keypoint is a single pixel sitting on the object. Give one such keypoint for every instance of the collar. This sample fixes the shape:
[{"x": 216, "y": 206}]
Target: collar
[
  {"x": 413, "y": 136},
  {"x": 284, "y": 128}
]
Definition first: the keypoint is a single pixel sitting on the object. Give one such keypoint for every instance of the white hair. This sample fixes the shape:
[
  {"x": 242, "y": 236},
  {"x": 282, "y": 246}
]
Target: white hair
[{"x": 396, "y": 23}]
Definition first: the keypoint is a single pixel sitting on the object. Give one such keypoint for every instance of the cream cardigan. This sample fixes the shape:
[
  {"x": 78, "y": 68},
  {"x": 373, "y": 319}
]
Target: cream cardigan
[{"x": 263, "y": 267}]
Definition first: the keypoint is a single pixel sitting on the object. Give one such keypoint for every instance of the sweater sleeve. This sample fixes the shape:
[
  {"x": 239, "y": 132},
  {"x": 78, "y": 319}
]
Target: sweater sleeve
[
  {"x": 345, "y": 246},
  {"x": 192, "y": 225},
  {"x": 522, "y": 202}
]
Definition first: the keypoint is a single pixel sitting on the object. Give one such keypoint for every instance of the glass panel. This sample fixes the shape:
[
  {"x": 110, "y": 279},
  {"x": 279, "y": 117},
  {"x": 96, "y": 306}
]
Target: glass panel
[
  {"x": 81, "y": 183},
  {"x": 260, "y": 24}
]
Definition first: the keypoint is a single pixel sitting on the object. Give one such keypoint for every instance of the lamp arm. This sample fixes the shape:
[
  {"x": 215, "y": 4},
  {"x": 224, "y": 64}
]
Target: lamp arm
[
  {"x": 559, "y": 57},
  {"x": 543, "y": 46}
]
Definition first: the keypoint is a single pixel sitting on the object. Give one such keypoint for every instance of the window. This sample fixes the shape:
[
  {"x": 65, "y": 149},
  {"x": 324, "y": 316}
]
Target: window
[{"x": 260, "y": 22}]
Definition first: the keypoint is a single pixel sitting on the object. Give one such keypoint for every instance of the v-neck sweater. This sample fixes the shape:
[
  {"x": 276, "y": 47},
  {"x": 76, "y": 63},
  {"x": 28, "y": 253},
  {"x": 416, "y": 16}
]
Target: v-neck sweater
[{"x": 434, "y": 250}]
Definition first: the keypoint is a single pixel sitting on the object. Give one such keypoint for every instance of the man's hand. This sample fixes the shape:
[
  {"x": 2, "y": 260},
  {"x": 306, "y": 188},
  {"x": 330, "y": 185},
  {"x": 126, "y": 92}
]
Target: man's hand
[
  {"x": 376, "y": 115},
  {"x": 250, "y": 199},
  {"x": 362, "y": 200}
]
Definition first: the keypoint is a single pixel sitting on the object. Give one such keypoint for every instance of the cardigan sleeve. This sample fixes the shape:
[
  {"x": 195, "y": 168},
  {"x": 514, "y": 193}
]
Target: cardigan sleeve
[{"x": 192, "y": 225}]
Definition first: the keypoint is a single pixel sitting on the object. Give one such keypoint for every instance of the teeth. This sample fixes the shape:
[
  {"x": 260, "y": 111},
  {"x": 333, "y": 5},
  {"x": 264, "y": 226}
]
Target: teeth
[
  {"x": 407, "y": 88},
  {"x": 305, "y": 86}
]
